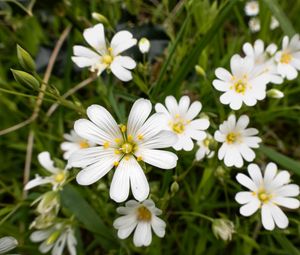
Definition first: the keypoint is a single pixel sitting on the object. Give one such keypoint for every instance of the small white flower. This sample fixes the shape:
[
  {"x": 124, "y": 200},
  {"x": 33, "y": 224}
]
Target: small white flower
[
  {"x": 274, "y": 23},
  {"x": 55, "y": 238},
  {"x": 263, "y": 59},
  {"x": 223, "y": 228},
  {"x": 179, "y": 119},
  {"x": 73, "y": 143},
  {"x": 103, "y": 57},
  {"x": 267, "y": 192},
  {"x": 275, "y": 93},
  {"x": 204, "y": 149},
  {"x": 57, "y": 179},
  {"x": 246, "y": 84},
  {"x": 238, "y": 141},
  {"x": 141, "y": 217},
  {"x": 122, "y": 147},
  {"x": 144, "y": 45},
  {"x": 254, "y": 25},
  {"x": 7, "y": 243},
  {"x": 252, "y": 8},
  {"x": 288, "y": 58}
]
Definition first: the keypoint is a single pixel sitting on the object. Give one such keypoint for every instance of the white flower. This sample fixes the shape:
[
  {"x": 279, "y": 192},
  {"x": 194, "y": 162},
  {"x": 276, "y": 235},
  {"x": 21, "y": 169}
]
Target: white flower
[
  {"x": 267, "y": 192},
  {"x": 57, "y": 179},
  {"x": 288, "y": 58},
  {"x": 141, "y": 217},
  {"x": 103, "y": 57},
  {"x": 246, "y": 84},
  {"x": 179, "y": 118},
  {"x": 238, "y": 141},
  {"x": 55, "y": 238},
  {"x": 204, "y": 149},
  {"x": 73, "y": 143},
  {"x": 252, "y": 8},
  {"x": 7, "y": 243},
  {"x": 144, "y": 45},
  {"x": 122, "y": 147},
  {"x": 223, "y": 228},
  {"x": 254, "y": 25},
  {"x": 274, "y": 23},
  {"x": 275, "y": 93},
  {"x": 263, "y": 59}
]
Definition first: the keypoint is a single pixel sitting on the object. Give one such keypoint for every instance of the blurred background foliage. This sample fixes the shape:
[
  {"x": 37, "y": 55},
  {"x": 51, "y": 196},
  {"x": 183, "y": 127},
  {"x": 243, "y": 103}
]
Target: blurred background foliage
[{"x": 183, "y": 34}]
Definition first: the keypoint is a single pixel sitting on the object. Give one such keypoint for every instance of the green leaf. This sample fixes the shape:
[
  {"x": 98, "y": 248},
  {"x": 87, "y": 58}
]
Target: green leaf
[
  {"x": 75, "y": 202},
  {"x": 283, "y": 20},
  {"x": 25, "y": 79},
  {"x": 286, "y": 244},
  {"x": 281, "y": 159},
  {"x": 192, "y": 59},
  {"x": 25, "y": 59}
]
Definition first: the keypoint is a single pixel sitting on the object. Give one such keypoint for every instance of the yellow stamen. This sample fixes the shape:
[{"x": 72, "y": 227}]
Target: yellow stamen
[
  {"x": 84, "y": 144},
  {"x": 206, "y": 142},
  {"x": 117, "y": 140},
  {"x": 231, "y": 137},
  {"x": 178, "y": 127},
  {"x": 106, "y": 145},
  {"x": 127, "y": 158},
  {"x": 139, "y": 158},
  {"x": 117, "y": 151},
  {"x": 143, "y": 214},
  {"x": 140, "y": 137},
  {"x": 129, "y": 138},
  {"x": 107, "y": 59},
  {"x": 127, "y": 148},
  {"x": 123, "y": 128},
  {"x": 116, "y": 163},
  {"x": 240, "y": 87},
  {"x": 263, "y": 196},
  {"x": 60, "y": 177},
  {"x": 285, "y": 58}
]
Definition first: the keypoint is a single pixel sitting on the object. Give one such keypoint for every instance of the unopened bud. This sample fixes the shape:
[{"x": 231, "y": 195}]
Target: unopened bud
[
  {"x": 200, "y": 71},
  {"x": 99, "y": 17},
  {"x": 25, "y": 79},
  {"x": 25, "y": 59},
  {"x": 144, "y": 45},
  {"x": 275, "y": 93},
  {"x": 223, "y": 228},
  {"x": 174, "y": 187}
]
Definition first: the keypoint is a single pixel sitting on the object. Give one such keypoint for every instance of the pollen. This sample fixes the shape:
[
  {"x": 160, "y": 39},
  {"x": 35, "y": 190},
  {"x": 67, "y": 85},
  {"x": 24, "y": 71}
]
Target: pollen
[
  {"x": 60, "y": 177},
  {"x": 116, "y": 163},
  {"x": 178, "y": 127},
  {"x": 240, "y": 87},
  {"x": 129, "y": 138},
  {"x": 232, "y": 138},
  {"x": 127, "y": 148},
  {"x": 139, "y": 158},
  {"x": 84, "y": 144},
  {"x": 106, "y": 145},
  {"x": 117, "y": 140},
  {"x": 263, "y": 196},
  {"x": 107, "y": 59},
  {"x": 123, "y": 128},
  {"x": 206, "y": 142},
  {"x": 117, "y": 151},
  {"x": 140, "y": 137},
  {"x": 143, "y": 214},
  {"x": 127, "y": 157},
  {"x": 285, "y": 58}
]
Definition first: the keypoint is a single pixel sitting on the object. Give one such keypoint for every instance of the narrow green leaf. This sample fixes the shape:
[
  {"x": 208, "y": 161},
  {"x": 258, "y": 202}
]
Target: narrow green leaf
[
  {"x": 25, "y": 79},
  {"x": 192, "y": 59},
  {"x": 284, "y": 21},
  {"x": 286, "y": 244},
  {"x": 281, "y": 159},
  {"x": 75, "y": 202}
]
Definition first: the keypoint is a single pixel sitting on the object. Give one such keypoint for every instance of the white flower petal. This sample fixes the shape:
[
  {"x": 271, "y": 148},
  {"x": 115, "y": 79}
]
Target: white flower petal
[
  {"x": 266, "y": 217},
  {"x": 125, "y": 221},
  {"x": 246, "y": 182},
  {"x": 244, "y": 197},
  {"x": 163, "y": 139},
  {"x": 223, "y": 74},
  {"x": 44, "y": 247},
  {"x": 71, "y": 242},
  {"x": 96, "y": 38},
  {"x": 172, "y": 105},
  {"x": 255, "y": 174},
  {"x": 279, "y": 217},
  {"x": 7, "y": 243},
  {"x": 159, "y": 158},
  {"x": 122, "y": 41},
  {"x": 221, "y": 86},
  {"x": 184, "y": 104},
  {"x": 288, "y": 202},
  {"x": 243, "y": 122},
  {"x": 126, "y": 62},
  {"x": 84, "y": 62},
  {"x": 233, "y": 157},
  {"x": 142, "y": 235},
  {"x": 158, "y": 226},
  {"x": 289, "y": 190},
  {"x": 37, "y": 181},
  {"x": 120, "y": 72},
  {"x": 59, "y": 244},
  {"x": 283, "y": 177},
  {"x": 160, "y": 108},
  {"x": 270, "y": 172},
  {"x": 123, "y": 233},
  {"x": 81, "y": 51},
  {"x": 139, "y": 113},
  {"x": 194, "y": 110},
  {"x": 250, "y": 208},
  {"x": 246, "y": 152},
  {"x": 40, "y": 235},
  {"x": 46, "y": 162}
]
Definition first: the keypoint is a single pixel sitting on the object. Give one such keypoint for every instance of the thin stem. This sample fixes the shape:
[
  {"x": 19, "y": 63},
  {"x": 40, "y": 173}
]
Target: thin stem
[
  {"x": 203, "y": 216},
  {"x": 28, "y": 161}
]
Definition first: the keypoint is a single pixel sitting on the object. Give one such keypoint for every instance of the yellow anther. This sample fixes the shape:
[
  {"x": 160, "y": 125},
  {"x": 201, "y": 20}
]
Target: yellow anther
[
  {"x": 206, "y": 142},
  {"x": 117, "y": 151},
  {"x": 117, "y": 140},
  {"x": 232, "y": 137},
  {"x": 139, "y": 158},
  {"x": 116, "y": 163},
  {"x": 127, "y": 148},
  {"x": 107, "y": 59},
  {"x": 129, "y": 138},
  {"x": 178, "y": 127},
  {"x": 240, "y": 87},
  {"x": 127, "y": 158},
  {"x": 123, "y": 128},
  {"x": 110, "y": 49},
  {"x": 106, "y": 145},
  {"x": 60, "y": 177},
  {"x": 140, "y": 137},
  {"x": 263, "y": 196},
  {"x": 285, "y": 58},
  {"x": 177, "y": 115},
  {"x": 143, "y": 214},
  {"x": 84, "y": 144}
]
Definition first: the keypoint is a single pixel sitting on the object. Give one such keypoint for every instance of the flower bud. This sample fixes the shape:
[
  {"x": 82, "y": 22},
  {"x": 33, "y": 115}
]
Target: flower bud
[
  {"x": 25, "y": 59},
  {"x": 223, "y": 228},
  {"x": 144, "y": 45},
  {"x": 99, "y": 17},
  {"x": 275, "y": 93},
  {"x": 200, "y": 71},
  {"x": 174, "y": 187},
  {"x": 25, "y": 79},
  {"x": 48, "y": 202}
]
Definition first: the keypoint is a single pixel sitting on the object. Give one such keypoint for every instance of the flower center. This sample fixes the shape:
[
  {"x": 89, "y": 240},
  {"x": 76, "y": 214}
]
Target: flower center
[
  {"x": 127, "y": 147},
  {"x": 84, "y": 144},
  {"x": 285, "y": 58},
  {"x": 107, "y": 59},
  {"x": 60, "y": 177},
  {"x": 178, "y": 127},
  {"x": 143, "y": 214},
  {"x": 231, "y": 137},
  {"x": 263, "y": 196},
  {"x": 240, "y": 87},
  {"x": 206, "y": 142}
]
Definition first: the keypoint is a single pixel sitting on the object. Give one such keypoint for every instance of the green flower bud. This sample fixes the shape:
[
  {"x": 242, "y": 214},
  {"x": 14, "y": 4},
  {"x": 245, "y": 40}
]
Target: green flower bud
[
  {"x": 174, "y": 187},
  {"x": 25, "y": 59},
  {"x": 200, "y": 71},
  {"x": 275, "y": 93},
  {"x": 99, "y": 17},
  {"x": 25, "y": 79}
]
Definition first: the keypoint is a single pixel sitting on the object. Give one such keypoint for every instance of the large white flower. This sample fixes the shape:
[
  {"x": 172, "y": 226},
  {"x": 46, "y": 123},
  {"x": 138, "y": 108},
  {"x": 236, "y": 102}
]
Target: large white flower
[
  {"x": 252, "y": 8},
  {"x": 246, "y": 84},
  {"x": 179, "y": 119},
  {"x": 73, "y": 143},
  {"x": 267, "y": 192},
  {"x": 204, "y": 148},
  {"x": 122, "y": 147},
  {"x": 103, "y": 57},
  {"x": 263, "y": 59},
  {"x": 55, "y": 238},
  {"x": 288, "y": 58},
  {"x": 238, "y": 141},
  {"x": 7, "y": 243},
  {"x": 141, "y": 217},
  {"x": 57, "y": 177}
]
